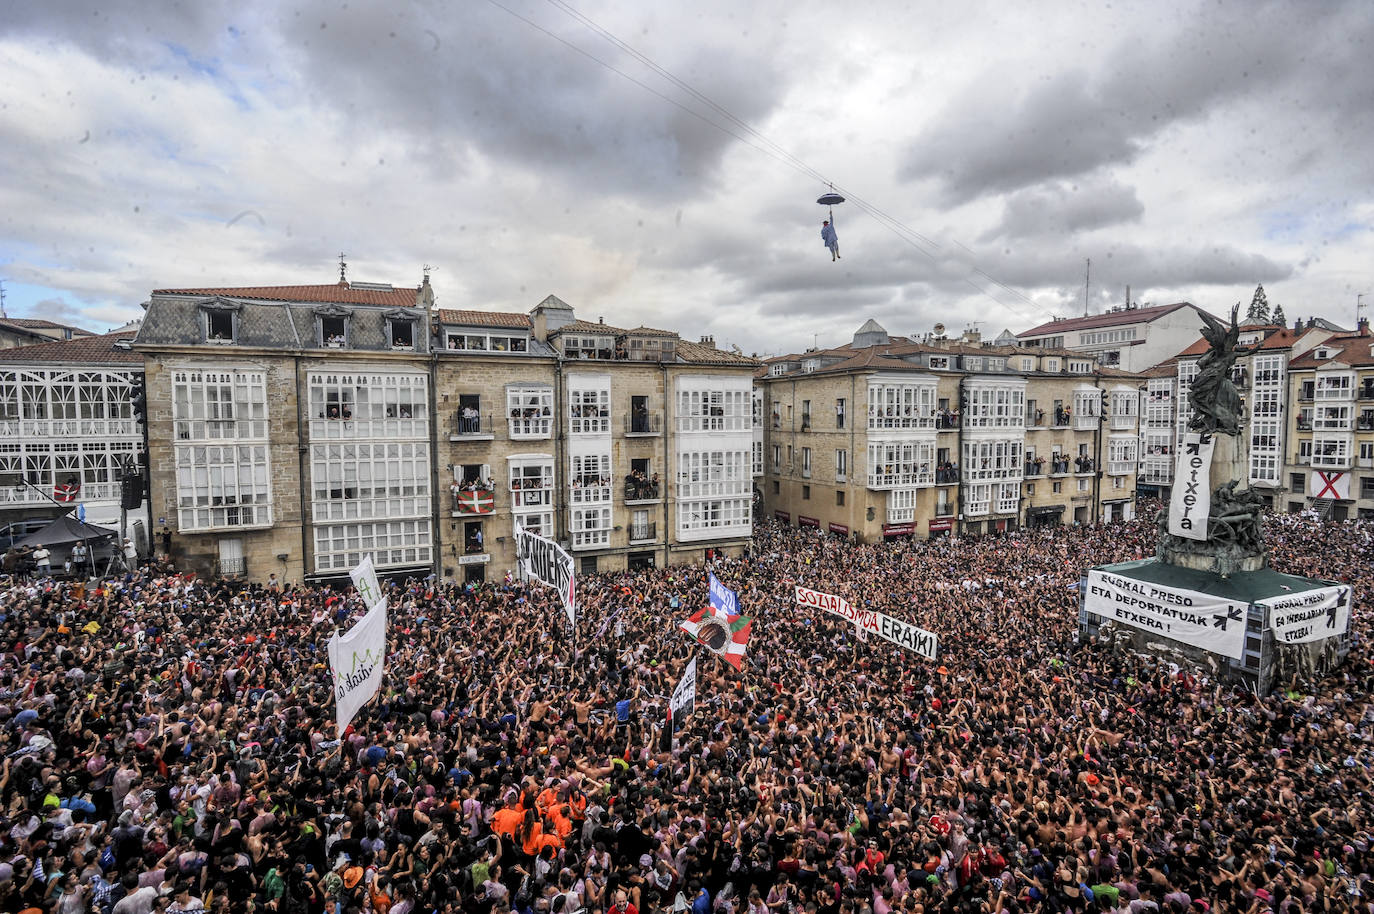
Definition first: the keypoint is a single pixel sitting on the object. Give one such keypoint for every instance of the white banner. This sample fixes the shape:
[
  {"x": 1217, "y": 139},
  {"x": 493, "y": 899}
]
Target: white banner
[
  {"x": 903, "y": 634},
  {"x": 1198, "y": 619},
  {"x": 1309, "y": 616},
  {"x": 545, "y": 560},
  {"x": 357, "y": 661},
  {"x": 365, "y": 580},
  {"x": 1190, "y": 502},
  {"x": 685, "y": 695},
  {"x": 1321, "y": 484}
]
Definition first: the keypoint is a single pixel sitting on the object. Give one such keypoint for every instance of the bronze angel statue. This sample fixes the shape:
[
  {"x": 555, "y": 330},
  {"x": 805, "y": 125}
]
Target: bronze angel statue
[{"x": 1214, "y": 399}]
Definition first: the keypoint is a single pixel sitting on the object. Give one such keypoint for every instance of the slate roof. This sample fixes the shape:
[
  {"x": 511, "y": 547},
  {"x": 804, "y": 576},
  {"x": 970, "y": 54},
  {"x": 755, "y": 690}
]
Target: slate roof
[
  {"x": 176, "y": 318},
  {"x": 81, "y": 350},
  {"x": 38, "y": 323}
]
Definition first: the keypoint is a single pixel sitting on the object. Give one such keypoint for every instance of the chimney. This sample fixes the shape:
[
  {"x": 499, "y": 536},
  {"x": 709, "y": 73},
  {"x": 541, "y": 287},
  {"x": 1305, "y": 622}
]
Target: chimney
[
  {"x": 708, "y": 340},
  {"x": 1297, "y": 325},
  {"x": 1362, "y": 326}
]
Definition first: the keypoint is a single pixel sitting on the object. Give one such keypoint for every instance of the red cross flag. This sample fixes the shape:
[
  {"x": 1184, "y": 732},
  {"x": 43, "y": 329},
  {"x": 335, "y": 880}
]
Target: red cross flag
[
  {"x": 1329, "y": 485},
  {"x": 478, "y": 502}
]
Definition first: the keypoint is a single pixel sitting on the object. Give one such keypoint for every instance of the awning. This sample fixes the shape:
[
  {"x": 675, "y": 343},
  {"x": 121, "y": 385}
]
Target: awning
[
  {"x": 1046, "y": 510},
  {"x": 841, "y": 529},
  {"x": 804, "y": 521},
  {"x": 66, "y": 529}
]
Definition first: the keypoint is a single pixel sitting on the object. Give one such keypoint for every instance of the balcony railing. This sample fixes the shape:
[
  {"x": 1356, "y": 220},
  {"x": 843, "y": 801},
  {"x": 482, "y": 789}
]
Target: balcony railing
[
  {"x": 68, "y": 428},
  {"x": 1034, "y": 468},
  {"x": 1061, "y": 418},
  {"x": 1304, "y": 425},
  {"x": 1059, "y": 466},
  {"x": 1327, "y": 424},
  {"x": 643, "y": 533},
  {"x": 232, "y": 567},
  {"x": 644, "y": 425},
  {"x": 806, "y": 423},
  {"x": 90, "y": 491},
  {"x": 946, "y": 476},
  {"x": 639, "y": 490},
  {"x": 1365, "y": 423},
  {"x": 1119, "y": 421},
  {"x": 900, "y": 480},
  {"x": 474, "y": 427},
  {"x": 947, "y": 421},
  {"x": 1331, "y": 461},
  {"x": 876, "y": 421},
  {"x": 1367, "y": 393}
]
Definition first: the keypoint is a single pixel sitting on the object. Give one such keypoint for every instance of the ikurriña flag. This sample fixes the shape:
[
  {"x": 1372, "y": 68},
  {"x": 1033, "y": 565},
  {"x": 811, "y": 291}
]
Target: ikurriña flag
[{"x": 727, "y": 637}]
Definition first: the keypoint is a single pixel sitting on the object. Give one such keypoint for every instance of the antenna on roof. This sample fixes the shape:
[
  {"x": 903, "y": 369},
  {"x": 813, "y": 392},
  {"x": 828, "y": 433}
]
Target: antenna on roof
[
  {"x": 1087, "y": 282},
  {"x": 2, "y": 299},
  {"x": 343, "y": 269}
]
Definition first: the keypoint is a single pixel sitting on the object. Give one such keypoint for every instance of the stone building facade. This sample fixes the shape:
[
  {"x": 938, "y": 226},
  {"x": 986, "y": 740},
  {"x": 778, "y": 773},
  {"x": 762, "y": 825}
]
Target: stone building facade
[
  {"x": 889, "y": 437},
  {"x": 294, "y": 430}
]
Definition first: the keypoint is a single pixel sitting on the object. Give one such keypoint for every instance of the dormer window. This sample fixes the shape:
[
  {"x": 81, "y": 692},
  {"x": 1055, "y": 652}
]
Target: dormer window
[
  {"x": 400, "y": 329},
  {"x": 332, "y": 326},
  {"x": 221, "y": 320}
]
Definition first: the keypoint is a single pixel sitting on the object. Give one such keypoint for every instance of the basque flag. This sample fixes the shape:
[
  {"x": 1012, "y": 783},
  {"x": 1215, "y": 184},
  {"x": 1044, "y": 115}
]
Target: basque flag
[{"x": 66, "y": 491}]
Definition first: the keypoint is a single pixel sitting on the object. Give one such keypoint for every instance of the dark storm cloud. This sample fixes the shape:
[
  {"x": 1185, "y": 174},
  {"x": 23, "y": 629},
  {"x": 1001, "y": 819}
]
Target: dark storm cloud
[
  {"x": 996, "y": 137},
  {"x": 1062, "y": 208},
  {"x": 467, "y": 79}
]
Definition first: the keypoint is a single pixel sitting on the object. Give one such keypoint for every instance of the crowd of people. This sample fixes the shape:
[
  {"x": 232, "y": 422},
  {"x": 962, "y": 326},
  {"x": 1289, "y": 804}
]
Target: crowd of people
[{"x": 168, "y": 745}]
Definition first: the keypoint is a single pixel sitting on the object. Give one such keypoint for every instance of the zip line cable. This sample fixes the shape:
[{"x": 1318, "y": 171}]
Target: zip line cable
[{"x": 759, "y": 142}]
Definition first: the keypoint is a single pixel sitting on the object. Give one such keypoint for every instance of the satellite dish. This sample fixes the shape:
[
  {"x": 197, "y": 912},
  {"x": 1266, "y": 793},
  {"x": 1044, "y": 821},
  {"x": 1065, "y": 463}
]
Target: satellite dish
[{"x": 939, "y": 329}]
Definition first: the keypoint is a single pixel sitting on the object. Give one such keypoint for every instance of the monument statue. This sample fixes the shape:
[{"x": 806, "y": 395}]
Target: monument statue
[
  {"x": 1214, "y": 399},
  {"x": 1234, "y": 541}
]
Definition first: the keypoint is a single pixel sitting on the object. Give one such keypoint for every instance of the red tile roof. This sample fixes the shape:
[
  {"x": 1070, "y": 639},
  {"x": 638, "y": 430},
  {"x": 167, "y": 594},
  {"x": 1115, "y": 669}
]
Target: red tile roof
[
  {"x": 1110, "y": 319},
  {"x": 485, "y": 318},
  {"x": 337, "y": 293},
  {"x": 82, "y": 350},
  {"x": 1348, "y": 348}
]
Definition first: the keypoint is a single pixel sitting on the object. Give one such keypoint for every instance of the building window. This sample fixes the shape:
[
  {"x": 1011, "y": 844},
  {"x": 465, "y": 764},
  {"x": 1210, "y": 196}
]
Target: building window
[
  {"x": 223, "y": 486},
  {"x": 531, "y": 483},
  {"x": 368, "y": 405},
  {"x": 1083, "y": 485},
  {"x": 777, "y": 370},
  {"x": 806, "y": 416},
  {"x": 1030, "y": 488},
  {"x": 590, "y": 527},
  {"x": 839, "y": 498},
  {"x": 530, "y": 412},
  {"x": 401, "y": 332},
  {"x": 806, "y": 462},
  {"x": 839, "y": 413},
  {"x": 777, "y": 458},
  {"x": 713, "y": 493},
  {"x": 719, "y": 411},
  {"x": 841, "y": 465},
  {"x": 1297, "y": 483},
  {"x": 221, "y": 325},
  {"x": 806, "y": 493},
  {"x": 366, "y": 480},
  {"x": 1028, "y": 364},
  {"x": 777, "y": 487},
  {"x": 939, "y": 361},
  {"x": 339, "y": 547},
  {"x": 1056, "y": 487},
  {"x": 758, "y": 458},
  {"x": 590, "y": 478},
  {"x": 906, "y": 406},
  {"x": 590, "y": 411}
]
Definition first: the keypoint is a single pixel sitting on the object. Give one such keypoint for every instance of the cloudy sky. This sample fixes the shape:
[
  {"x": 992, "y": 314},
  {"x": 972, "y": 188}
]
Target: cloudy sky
[{"x": 658, "y": 163}]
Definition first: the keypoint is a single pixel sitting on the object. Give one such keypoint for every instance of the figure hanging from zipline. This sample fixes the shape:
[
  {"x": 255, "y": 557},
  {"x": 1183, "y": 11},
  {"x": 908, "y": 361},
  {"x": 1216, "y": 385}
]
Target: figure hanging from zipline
[
  {"x": 828, "y": 236},
  {"x": 831, "y": 241}
]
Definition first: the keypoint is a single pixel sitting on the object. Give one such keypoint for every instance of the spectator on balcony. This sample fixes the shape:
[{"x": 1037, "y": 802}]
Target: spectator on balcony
[{"x": 469, "y": 420}]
